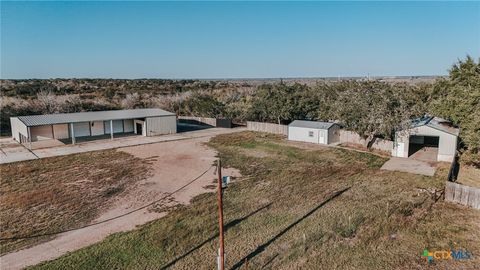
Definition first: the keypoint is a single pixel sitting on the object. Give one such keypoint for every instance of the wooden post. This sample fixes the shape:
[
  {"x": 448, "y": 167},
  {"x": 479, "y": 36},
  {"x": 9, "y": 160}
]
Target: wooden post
[{"x": 221, "y": 263}]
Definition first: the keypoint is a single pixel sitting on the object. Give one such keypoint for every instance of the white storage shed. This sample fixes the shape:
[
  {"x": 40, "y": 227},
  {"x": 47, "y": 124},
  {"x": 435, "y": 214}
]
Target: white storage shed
[{"x": 313, "y": 132}]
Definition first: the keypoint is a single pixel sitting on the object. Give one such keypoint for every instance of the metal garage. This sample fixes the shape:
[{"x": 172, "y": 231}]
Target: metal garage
[
  {"x": 427, "y": 138},
  {"x": 146, "y": 122}
]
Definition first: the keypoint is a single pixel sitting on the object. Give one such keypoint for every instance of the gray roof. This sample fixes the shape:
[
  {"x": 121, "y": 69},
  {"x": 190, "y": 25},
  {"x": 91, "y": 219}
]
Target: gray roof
[
  {"x": 436, "y": 123},
  {"x": 311, "y": 124},
  {"x": 63, "y": 118}
]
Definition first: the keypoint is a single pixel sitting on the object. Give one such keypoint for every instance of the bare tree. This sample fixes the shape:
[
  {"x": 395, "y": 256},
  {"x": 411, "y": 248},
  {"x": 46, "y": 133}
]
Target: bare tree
[
  {"x": 131, "y": 101},
  {"x": 47, "y": 102}
]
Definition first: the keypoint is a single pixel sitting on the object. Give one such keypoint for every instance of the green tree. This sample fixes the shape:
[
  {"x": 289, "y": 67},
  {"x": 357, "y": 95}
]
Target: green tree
[{"x": 457, "y": 98}]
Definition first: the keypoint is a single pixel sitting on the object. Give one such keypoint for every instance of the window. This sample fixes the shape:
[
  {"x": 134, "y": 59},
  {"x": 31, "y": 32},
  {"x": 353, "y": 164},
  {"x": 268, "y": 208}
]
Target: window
[{"x": 310, "y": 134}]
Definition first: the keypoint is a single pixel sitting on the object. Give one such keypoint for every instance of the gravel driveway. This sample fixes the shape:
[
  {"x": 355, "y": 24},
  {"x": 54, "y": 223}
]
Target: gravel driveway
[{"x": 175, "y": 163}]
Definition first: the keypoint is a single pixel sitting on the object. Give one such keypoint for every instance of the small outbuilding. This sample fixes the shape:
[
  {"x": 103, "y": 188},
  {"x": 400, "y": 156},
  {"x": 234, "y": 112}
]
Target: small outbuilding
[
  {"x": 146, "y": 122},
  {"x": 428, "y": 138},
  {"x": 314, "y": 132}
]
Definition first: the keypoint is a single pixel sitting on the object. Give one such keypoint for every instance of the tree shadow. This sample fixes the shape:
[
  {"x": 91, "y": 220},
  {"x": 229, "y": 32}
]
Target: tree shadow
[
  {"x": 262, "y": 247},
  {"x": 227, "y": 226}
]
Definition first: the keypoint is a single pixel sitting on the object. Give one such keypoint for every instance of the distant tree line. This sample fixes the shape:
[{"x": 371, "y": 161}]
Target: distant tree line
[{"x": 371, "y": 108}]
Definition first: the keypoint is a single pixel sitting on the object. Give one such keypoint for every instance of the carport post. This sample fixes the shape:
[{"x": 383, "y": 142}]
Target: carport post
[
  {"x": 111, "y": 129},
  {"x": 29, "y": 138},
  {"x": 73, "y": 133}
]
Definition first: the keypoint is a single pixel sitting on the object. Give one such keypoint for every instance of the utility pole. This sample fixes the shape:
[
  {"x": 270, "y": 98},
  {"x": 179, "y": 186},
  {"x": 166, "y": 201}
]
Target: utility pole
[{"x": 220, "y": 259}]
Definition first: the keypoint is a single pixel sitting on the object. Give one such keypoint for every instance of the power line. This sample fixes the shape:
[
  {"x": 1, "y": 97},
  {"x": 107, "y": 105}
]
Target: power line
[{"x": 112, "y": 218}]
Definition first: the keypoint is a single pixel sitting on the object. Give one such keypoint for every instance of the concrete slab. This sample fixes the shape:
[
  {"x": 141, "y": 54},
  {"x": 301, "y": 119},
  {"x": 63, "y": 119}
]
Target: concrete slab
[
  {"x": 426, "y": 153},
  {"x": 11, "y": 151},
  {"x": 409, "y": 165}
]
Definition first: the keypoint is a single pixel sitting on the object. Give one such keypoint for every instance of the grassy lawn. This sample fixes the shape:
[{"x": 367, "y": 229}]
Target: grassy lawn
[
  {"x": 297, "y": 209},
  {"x": 51, "y": 194},
  {"x": 469, "y": 176}
]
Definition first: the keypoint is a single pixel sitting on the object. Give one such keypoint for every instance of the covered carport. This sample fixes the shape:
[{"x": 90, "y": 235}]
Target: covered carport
[
  {"x": 427, "y": 139},
  {"x": 85, "y": 126}
]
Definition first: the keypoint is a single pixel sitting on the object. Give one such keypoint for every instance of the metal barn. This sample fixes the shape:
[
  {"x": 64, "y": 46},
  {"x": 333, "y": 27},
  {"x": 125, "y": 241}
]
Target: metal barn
[
  {"x": 313, "y": 132},
  {"x": 428, "y": 138},
  {"x": 146, "y": 122}
]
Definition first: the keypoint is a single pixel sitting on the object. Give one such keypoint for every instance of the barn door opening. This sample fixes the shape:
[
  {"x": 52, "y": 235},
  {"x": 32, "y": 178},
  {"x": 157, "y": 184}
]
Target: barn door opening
[
  {"x": 139, "y": 128},
  {"x": 423, "y": 147}
]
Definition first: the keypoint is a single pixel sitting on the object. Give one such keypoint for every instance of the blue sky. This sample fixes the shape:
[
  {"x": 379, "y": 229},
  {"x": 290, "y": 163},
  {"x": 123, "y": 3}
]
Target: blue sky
[{"x": 235, "y": 39}]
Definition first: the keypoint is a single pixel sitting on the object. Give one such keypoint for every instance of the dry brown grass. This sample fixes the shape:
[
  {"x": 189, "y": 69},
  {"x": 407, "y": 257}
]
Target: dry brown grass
[
  {"x": 52, "y": 194},
  {"x": 469, "y": 175},
  {"x": 279, "y": 216}
]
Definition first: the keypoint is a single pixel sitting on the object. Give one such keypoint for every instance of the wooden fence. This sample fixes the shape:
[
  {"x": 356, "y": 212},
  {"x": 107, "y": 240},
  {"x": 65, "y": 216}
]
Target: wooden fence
[
  {"x": 345, "y": 136},
  {"x": 469, "y": 196},
  {"x": 350, "y": 137},
  {"x": 267, "y": 127}
]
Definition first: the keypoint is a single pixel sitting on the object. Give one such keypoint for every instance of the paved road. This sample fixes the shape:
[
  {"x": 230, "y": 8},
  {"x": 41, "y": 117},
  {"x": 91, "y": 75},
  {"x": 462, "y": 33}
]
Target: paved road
[{"x": 12, "y": 151}]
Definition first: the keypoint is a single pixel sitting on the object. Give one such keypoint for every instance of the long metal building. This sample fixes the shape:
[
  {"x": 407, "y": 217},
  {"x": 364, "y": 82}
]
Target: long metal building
[{"x": 146, "y": 122}]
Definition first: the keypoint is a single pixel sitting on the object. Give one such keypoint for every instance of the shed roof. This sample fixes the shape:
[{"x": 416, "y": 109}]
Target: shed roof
[
  {"x": 436, "y": 123},
  {"x": 63, "y": 118},
  {"x": 311, "y": 124}
]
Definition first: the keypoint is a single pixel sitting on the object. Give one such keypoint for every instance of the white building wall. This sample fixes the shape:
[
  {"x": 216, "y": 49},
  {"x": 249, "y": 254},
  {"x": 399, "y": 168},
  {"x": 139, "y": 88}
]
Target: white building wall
[
  {"x": 97, "y": 128},
  {"x": 117, "y": 126},
  {"x": 128, "y": 125},
  {"x": 39, "y": 133},
  {"x": 81, "y": 129},
  {"x": 161, "y": 125},
  {"x": 447, "y": 144},
  {"x": 17, "y": 127},
  {"x": 303, "y": 134},
  {"x": 60, "y": 131}
]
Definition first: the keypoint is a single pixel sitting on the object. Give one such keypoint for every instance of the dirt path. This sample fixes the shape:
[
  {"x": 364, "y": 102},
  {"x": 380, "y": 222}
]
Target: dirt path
[{"x": 174, "y": 164}]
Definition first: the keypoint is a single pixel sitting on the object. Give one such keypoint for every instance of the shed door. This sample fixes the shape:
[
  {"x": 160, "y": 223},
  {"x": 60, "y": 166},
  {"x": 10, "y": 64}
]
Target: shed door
[
  {"x": 400, "y": 149},
  {"x": 321, "y": 137}
]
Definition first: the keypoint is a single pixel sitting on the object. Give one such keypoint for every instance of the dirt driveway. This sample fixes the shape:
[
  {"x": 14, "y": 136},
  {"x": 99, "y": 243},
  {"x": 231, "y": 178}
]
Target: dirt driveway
[{"x": 175, "y": 163}]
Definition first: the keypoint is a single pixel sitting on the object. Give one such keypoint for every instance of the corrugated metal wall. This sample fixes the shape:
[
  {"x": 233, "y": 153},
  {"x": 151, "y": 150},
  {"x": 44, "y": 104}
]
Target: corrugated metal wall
[
  {"x": 39, "y": 133},
  {"x": 161, "y": 125},
  {"x": 60, "y": 131},
  {"x": 17, "y": 127},
  {"x": 128, "y": 125},
  {"x": 81, "y": 129}
]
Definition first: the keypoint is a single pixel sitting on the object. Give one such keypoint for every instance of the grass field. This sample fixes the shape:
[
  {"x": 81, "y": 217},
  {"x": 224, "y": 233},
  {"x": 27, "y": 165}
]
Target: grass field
[
  {"x": 51, "y": 194},
  {"x": 297, "y": 209}
]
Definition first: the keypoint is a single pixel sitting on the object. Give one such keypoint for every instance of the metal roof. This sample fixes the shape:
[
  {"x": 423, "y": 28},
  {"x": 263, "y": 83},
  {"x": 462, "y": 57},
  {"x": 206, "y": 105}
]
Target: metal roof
[
  {"x": 311, "y": 124},
  {"x": 436, "y": 123},
  {"x": 63, "y": 118}
]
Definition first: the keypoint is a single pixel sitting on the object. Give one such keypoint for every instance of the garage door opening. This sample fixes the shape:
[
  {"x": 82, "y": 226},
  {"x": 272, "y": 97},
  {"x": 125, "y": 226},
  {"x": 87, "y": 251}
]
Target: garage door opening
[{"x": 423, "y": 147}]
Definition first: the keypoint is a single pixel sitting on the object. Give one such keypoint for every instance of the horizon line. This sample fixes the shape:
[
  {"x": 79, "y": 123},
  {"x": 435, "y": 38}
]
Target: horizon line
[{"x": 232, "y": 78}]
